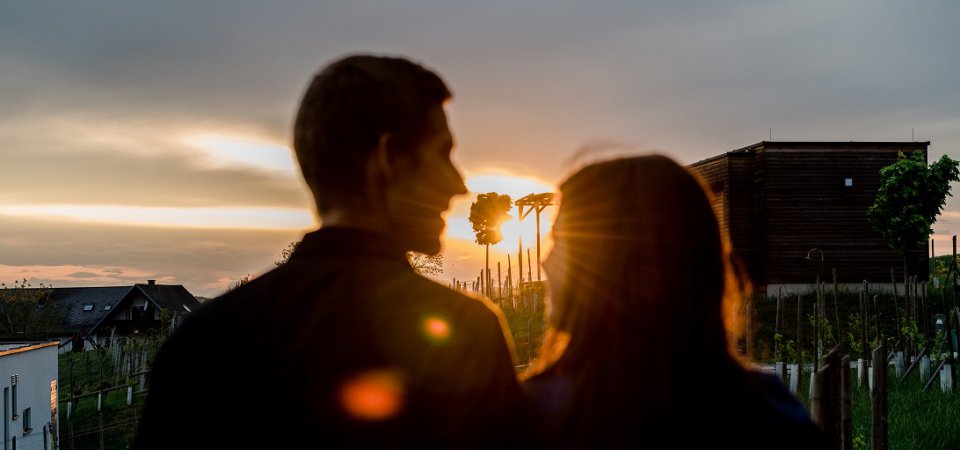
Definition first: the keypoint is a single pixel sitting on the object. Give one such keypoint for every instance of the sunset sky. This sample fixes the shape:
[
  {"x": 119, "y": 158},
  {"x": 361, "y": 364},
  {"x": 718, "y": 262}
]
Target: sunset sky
[{"x": 150, "y": 140}]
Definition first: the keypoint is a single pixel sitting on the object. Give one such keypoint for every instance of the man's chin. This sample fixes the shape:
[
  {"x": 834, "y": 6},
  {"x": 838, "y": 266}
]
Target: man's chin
[
  {"x": 421, "y": 239},
  {"x": 426, "y": 247},
  {"x": 427, "y": 243}
]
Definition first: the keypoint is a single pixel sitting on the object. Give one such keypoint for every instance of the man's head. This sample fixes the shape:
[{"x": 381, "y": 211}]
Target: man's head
[{"x": 371, "y": 137}]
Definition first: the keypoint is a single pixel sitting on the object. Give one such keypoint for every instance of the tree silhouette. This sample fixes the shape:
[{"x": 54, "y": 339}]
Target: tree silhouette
[
  {"x": 27, "y": 312},
  {"x": 486, "y": 216},
  {"x": 286, "y": 253},
  {"x": 421, "y": 263},
  {"x": 425, "y": 264}
]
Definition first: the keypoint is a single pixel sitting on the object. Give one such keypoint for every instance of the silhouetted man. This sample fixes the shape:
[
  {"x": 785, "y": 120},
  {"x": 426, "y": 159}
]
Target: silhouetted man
[{"x": 344, "y": 345}]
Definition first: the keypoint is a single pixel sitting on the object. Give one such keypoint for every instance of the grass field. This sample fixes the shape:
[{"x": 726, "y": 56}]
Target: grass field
[{"x": 917, "y": 420}]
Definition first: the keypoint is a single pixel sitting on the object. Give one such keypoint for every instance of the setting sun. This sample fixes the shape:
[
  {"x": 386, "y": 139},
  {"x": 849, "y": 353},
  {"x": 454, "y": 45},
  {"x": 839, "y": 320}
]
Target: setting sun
[
  {"x": 466, "y": 258},
  {"x": 458, "y": 224}
]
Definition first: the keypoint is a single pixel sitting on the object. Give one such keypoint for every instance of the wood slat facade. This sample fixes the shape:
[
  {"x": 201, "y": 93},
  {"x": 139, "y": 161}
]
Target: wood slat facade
[{"x": 778, "y": 200}]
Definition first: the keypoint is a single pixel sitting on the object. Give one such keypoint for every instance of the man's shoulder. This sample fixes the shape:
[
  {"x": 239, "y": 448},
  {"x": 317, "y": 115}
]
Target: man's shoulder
[{"x": 429, "y": 290}]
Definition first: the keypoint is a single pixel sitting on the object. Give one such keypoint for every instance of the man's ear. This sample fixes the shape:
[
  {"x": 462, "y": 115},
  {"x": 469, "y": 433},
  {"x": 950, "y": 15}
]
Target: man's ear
[{"x": 381, "y": 164}]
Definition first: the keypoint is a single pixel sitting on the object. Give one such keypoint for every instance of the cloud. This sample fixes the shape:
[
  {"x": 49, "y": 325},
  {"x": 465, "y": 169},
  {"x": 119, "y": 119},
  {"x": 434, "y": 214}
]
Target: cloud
[
  {"x": 97, "y": 98},
  {"x": 691, "y": 78},
  {"x": 235, "y": 218},
  {"x": 56, "y": 164},
  {"x": 204, "y": 260},
  {"x": 83, "y": 275}
]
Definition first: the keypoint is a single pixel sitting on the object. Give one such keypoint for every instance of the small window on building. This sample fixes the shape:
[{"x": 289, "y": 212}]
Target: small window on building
[
  {"x": 88, "y": 307},
  {"x": 27, "y": 425},
  {"x": 13, "y": 399},
  {"x": 106, "y": 307},
  {"x": 848, "y": 182},
  {"x": 53, "y": 401}
]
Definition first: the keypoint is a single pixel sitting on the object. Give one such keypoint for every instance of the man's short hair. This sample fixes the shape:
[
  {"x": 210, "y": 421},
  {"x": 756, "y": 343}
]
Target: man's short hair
[{"x": 346, "y": 109}]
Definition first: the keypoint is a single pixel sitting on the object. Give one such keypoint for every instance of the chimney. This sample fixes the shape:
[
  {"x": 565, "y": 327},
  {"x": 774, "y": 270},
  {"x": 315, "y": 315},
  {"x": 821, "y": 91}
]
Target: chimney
[{"x": 151, "y": 282}]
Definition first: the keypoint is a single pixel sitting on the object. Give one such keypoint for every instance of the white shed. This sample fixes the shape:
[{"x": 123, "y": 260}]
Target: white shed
[{"x": 28, "y": 374}]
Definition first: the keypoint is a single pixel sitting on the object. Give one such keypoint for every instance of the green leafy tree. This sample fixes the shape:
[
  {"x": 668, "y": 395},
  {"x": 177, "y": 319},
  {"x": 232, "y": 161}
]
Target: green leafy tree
[
  {"x": 486, "y": 216},
  {"x": 910, "y": 198},
  {"x": 27, "y": 312}
]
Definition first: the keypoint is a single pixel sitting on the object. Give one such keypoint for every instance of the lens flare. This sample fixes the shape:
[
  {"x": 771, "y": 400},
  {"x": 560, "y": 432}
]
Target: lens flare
[
  {"x": 436, "y": 329},
  {"x": 373, "y": 395}
]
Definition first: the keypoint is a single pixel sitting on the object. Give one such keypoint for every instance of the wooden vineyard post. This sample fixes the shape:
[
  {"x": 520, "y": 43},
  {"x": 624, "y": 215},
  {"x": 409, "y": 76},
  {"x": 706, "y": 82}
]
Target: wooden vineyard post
[
  {"x": 534, "y": 298},
  {"x": 846, "y": 404},
  {"x": 489, "y": 285},
  {"x": 816, "y": 328},
  {"x": 876, "y": 318},
  {"x": 923, "y": 309},
  {"x": 878, "y": 396},
  {"x": 864, "y": 329},
  {"x": 509, "y": 279},
  {"x": 520, "y": 301},
  {"x": 778, "y": 331},
  {"x": 896, "y": 310},
  {"x": 776, "y": 327},
  {"x": 948, "y": 323},
  {"x": 836, "y": 309},
  {"x": 510, "y": 282},
  {"x": 825, "y": 404},
  {"x": 799, "y": 371},
  {"x": 499, "y": 284},
  {"x": 520, "y": 261},
  {"x": 916, "y": 362},
  {"x": 529, "y": 266}
]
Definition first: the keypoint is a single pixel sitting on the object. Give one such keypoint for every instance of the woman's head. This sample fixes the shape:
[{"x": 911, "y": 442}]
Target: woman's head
[{"x": 638, "y": 256}]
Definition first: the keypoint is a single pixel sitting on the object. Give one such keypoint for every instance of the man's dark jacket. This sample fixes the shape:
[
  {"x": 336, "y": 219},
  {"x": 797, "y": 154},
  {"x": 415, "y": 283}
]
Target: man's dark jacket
[{"x": 345, "y": 346}]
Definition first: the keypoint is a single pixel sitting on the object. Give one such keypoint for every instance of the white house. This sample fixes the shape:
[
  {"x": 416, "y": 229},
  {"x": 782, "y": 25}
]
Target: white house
[{"x": 28, "y": 374}]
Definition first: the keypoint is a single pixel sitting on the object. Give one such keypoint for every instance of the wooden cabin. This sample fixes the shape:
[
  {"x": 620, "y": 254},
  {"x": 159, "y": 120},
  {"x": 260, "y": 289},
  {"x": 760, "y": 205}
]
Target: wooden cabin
[{"x": 779, "y": 202}]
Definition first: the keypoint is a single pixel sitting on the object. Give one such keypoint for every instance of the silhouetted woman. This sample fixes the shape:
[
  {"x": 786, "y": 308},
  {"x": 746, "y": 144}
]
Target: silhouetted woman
[{"x": 644, "y": 299}]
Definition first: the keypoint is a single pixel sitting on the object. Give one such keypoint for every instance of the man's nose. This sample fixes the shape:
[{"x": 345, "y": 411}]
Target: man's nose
[
  {"x": 456, "y": 183},
  {"x": 461, "y": 186}
]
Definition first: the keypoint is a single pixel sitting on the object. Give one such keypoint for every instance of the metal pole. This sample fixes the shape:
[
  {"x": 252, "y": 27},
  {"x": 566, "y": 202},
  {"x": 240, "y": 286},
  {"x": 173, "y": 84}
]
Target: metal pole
[
  {"x": 520, "y": 242},
  {"x": 537, "y": 206}
]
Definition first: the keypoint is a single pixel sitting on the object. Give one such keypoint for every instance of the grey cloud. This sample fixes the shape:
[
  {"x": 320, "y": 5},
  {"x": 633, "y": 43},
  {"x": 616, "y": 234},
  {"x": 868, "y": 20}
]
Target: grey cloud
[
  {"x": 55, "y": 169},
  {"x": 199, "y": 259},
  {"x": 533, "y": 80},
  {"x": 83, "y": 275},
  {"x": 697, "y": 76},
  {"x": 698, "y": 83}
]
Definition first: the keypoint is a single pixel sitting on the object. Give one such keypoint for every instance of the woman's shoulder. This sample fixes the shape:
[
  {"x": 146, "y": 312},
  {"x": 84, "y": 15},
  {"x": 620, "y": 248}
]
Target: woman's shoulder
[
  {"x": 550, "y": 392},
  {"x": 776, "y": 395},
  {"x": 551, "y": 397},
  {"x": 783, "y": 415}
]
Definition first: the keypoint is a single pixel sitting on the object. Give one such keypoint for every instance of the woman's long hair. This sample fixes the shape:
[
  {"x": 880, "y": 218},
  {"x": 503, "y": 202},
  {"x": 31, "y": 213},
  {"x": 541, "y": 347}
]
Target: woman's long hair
[{"x": 646, "y": 283}]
